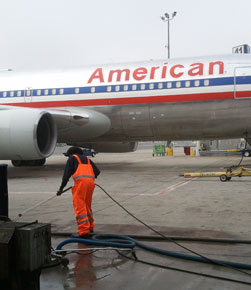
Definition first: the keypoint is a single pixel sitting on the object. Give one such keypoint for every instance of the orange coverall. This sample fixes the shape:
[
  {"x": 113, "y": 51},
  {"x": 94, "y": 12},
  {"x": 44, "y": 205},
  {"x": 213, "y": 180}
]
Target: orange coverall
[{"x": 82, "y": 192}]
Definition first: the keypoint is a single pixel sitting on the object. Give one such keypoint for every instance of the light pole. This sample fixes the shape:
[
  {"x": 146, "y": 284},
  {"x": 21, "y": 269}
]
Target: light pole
[{"x": 166, "y": 18}]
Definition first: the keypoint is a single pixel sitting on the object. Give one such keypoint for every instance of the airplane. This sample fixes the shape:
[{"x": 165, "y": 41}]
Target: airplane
[{"x": 110, "y": 108}]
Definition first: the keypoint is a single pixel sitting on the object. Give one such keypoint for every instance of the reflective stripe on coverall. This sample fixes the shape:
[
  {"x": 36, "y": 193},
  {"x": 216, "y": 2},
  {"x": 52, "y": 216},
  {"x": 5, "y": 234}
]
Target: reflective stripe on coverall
[{"x": 82, "y": 196}]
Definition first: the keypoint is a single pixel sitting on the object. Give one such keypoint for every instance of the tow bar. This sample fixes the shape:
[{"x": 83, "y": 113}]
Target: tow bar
[{"x": 223, "y": 175}]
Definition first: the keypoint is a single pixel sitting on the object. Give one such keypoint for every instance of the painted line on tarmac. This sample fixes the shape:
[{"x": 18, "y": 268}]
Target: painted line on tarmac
[
  {"x": 169, "y": 188},
  {"x": 173, "y": 187},
  {"x": 163, "y": 192}
]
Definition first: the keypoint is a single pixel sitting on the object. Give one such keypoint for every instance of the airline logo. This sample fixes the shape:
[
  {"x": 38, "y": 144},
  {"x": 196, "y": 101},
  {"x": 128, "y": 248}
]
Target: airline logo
[{"x": 154, "y": 73}]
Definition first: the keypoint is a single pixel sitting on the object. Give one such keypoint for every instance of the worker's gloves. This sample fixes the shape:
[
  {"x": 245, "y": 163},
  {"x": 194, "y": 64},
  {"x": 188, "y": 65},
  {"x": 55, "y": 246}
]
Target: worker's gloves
[{"x": 59, "y": 192}]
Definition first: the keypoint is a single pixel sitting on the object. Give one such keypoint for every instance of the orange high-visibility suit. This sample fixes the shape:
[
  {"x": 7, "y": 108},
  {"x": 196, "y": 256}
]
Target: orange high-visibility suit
[{"x": 82, "y": 192}]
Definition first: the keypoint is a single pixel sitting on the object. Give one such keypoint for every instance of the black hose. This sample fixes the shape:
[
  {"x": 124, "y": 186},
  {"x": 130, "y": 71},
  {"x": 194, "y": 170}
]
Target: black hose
[
  {"x": 185, "y": 271},
  {"x": 199, "y": 258},
  {"x": 176, "y": 238}
]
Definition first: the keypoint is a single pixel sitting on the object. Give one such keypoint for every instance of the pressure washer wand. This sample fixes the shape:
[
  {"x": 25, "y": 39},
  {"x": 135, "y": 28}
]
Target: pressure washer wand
[
  {"x": 67, "y": 189},
  {"x": 40, "y": 203}
]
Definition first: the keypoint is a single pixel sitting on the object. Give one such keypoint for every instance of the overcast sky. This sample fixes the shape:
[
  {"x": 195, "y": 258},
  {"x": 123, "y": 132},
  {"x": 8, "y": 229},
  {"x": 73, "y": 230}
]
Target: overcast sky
[{"x": 65, "y": 33}]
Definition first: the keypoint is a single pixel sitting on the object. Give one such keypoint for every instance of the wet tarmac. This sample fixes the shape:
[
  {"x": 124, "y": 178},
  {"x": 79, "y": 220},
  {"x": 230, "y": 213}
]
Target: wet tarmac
[{"x": 152, "y": 189}]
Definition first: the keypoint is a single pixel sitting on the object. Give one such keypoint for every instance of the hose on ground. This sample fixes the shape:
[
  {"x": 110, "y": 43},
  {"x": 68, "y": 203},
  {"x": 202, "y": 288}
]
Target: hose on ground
[
  {"x": 118, "y": 241},
  {"x": 126, "y": 242},
  {"x": 202, "y": 258}
]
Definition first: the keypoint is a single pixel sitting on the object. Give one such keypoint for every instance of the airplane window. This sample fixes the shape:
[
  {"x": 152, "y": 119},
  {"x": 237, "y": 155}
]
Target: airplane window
[
  {"x": 19, "y": 93},
  {"x": 169, "y": 85},
  {"x": 187, "y": 84},
  {"x": 38, "y": 92},
  {"x": 178, "y": 84},
  {"x": 206, "y": 82},
  {"x": 61, "y": 91},
  {"x": 160, "y": 85},
  {"x": 117, "y": 88},
  {"x": 4, "y": 94},
  {"x": 125, "y": 87},
  {"x": 11, "y": 94},
  {"x": 92, "y": 89},
  {"x": 46, "y": 92},
  {"x": 54, "y": 91},
  {"x": 151, "y": 86},
  {"x": 109, "y": 89},
  {"x": 142, "y": 86},
  {"x": 134, "y": 87},
  {"x": 76, "y": 90},
  {"x": 197, "y": 83}
]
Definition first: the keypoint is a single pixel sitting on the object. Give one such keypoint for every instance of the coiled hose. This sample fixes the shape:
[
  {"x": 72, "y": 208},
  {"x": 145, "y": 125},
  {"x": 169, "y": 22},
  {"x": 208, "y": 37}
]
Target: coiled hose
[
  {"x": 98, "y": 240},
  {"x": 122, "y": 241}
]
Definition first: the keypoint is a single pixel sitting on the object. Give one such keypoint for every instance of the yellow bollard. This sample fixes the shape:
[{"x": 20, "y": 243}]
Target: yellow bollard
[{"x": 192, "y": 152}]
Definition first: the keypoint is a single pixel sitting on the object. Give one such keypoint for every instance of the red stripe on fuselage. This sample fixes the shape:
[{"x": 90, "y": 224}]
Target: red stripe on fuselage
[
  {"x": 129, "y": 101},
  {"x": 242, "y": 94}
]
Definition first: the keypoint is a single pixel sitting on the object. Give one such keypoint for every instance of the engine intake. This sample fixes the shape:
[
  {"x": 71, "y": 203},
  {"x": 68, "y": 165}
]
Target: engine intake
[{"x": 26, "y": 134}]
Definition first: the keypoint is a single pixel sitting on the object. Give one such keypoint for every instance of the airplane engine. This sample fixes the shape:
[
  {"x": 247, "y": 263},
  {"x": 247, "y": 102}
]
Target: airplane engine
[
  {"x": 26, "y": 134},
  {"x": 111, "y": 147}
]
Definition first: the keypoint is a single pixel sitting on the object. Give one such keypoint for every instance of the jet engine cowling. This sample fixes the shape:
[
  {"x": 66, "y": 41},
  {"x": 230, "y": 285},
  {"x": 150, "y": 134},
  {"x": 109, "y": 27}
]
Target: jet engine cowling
[{"x": 26, "y": 134}]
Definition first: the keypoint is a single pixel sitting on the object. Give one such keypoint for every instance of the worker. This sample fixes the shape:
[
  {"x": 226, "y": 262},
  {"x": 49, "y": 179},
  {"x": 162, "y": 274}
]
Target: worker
[{"x": 83, "y": 171}]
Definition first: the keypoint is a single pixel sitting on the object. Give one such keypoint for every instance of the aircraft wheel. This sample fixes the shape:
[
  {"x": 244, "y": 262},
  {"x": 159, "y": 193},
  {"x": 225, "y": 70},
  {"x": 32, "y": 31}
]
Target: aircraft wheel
[
  {"x": 246, "y": 154},
  {"x": 37, "y": 162},
  {"x": 17, "y": 163},
  {"x": 223, "y": 178},
  {"x": 40, "y": 162}
]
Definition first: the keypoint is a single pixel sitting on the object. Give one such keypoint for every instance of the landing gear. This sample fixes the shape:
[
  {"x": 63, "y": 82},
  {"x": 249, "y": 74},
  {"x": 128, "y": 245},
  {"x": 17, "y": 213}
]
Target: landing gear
[
  {"x": 16, "y": 163},
  {"x": 37, "y": 162}
]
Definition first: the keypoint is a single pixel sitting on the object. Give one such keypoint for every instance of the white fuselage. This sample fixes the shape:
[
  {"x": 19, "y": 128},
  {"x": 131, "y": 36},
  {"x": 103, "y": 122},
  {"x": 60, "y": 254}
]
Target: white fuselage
[{"x": 178, "y": 99}]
